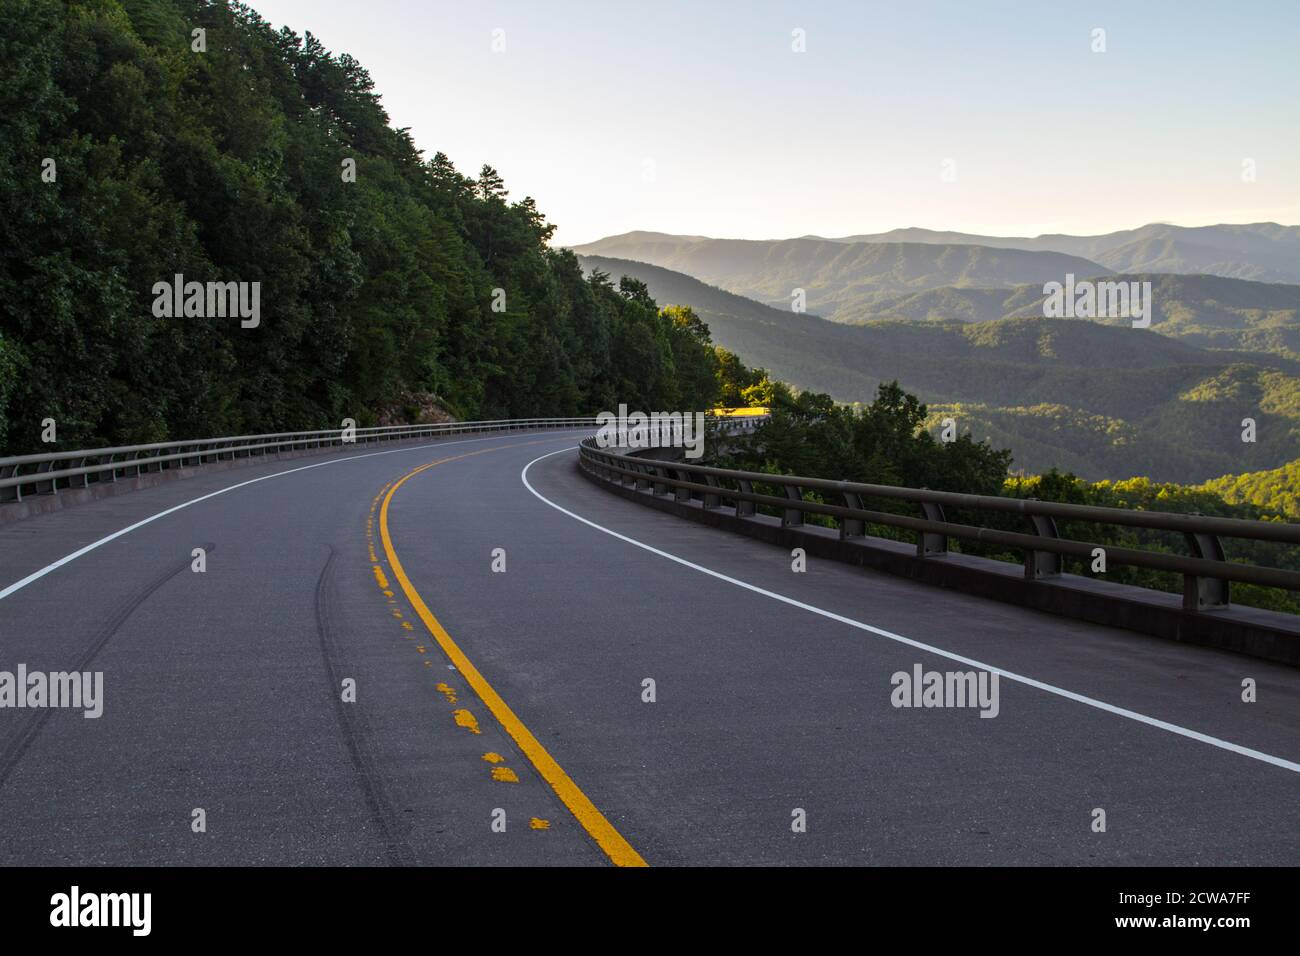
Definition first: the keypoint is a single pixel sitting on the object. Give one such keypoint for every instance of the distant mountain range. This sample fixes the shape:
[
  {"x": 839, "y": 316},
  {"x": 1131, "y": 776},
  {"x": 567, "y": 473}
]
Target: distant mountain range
[
  {"x": 841, "y": 281},
  {"x": 1106, "y": 401},
  {"x": 857, "y": 278},
  {"x": 1262, "y": 251}
]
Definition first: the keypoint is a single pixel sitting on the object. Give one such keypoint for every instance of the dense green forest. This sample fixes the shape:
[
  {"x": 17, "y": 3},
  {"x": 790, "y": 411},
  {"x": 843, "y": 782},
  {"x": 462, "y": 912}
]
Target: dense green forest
[
  {"x": 880, "y": 443},
  {"x": 1277, "y": 491},
  {"x": 127, "y": 156}
]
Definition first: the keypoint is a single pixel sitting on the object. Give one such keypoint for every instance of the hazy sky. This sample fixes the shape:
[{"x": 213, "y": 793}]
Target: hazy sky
[{"x": 698, "y": 117}]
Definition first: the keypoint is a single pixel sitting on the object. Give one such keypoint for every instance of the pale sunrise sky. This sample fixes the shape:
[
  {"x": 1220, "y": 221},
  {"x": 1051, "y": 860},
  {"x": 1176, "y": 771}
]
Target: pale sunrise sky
[{"x": 698, "y": 117}]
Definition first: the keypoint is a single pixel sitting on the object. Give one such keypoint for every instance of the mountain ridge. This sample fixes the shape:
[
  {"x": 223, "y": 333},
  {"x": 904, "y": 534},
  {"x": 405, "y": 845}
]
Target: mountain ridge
[
  {"x": 1102, "y": 400},
  {"x": 841, "y": 281},
  {"x": 1260, "y": 251}
]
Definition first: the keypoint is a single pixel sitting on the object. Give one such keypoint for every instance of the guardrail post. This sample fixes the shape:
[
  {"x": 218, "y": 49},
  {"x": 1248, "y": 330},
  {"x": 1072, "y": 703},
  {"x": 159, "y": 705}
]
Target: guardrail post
[
  {"x": 852, "y": 527},
  {"x": 929, "y": 543},
  {"x": 660, "y": 472},
  {"x": 712, "y": 499},
  {"x": 793, "y": 517},
  {"x": 1042, "y": 564},
  {"x": 682, "y": 494},
  {"x": 41, "y": 488},
  {"x": 1202, "y": 593},
  {"x": 744, "y": 508},
  {"x": 16, "y": 492},
  {"x": 641, "y": 483}
]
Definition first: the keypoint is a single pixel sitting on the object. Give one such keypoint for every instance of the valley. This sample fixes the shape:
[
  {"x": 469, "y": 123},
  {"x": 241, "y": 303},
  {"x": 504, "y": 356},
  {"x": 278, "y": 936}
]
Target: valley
[{"x": 1101, "y": 400}]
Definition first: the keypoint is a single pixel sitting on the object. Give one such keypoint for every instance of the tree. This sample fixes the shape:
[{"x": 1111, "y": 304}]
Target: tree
[{"x": 409, "y": 286}]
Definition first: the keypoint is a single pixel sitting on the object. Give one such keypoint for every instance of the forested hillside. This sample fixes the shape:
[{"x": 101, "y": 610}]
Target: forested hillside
[
  {"x": 1276, "y": 490},
  {"x": 1204, "y": 310},
  {"x": 1102, "y": 401},
  {"x": 127, "y": 157}
]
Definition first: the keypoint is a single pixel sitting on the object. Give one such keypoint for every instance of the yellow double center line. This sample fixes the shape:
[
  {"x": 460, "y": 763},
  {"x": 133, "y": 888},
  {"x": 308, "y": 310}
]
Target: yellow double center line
[{"x": 593, "y": 821}]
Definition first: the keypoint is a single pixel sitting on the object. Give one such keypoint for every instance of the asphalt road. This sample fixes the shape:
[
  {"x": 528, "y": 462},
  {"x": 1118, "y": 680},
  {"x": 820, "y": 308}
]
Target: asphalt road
[{"x": 483, "y": 696}]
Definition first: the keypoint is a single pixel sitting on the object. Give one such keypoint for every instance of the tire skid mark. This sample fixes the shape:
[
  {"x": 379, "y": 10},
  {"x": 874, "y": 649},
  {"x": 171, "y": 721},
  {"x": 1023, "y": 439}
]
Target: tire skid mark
[
  {"x": 355, "y": 728},
  {"x": 27, "y": 730}
]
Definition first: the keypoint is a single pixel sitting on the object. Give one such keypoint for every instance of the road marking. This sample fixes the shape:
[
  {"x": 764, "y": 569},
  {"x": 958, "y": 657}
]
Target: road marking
[
  {"x": 37, "y": 575},
  {"x": 593, "y": 821},
  {"x": 467, "y": 720},
  {"x": 930, "y": 648}
]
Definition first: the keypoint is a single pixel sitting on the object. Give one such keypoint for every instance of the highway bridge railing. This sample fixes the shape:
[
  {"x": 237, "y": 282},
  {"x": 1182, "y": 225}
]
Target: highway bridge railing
[
  {"x": 711, "y": 492},
  {"x": 37, "y": 482},
  {"x": 47, "y": 473}
]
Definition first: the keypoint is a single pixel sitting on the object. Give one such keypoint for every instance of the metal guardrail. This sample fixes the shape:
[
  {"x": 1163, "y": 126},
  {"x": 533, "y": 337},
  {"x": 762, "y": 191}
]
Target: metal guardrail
[
  {"x": 1206, "y": 571},
  {"x": 44, "y": 474}
]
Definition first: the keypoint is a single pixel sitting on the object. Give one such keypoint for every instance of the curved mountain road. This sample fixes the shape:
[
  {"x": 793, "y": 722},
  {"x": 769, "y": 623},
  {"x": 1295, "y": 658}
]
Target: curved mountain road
[{"x": 518, "y": 697}]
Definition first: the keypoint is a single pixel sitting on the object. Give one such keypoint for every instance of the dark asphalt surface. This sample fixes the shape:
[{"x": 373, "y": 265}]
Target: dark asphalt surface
[{"x": 222, "y": 692}]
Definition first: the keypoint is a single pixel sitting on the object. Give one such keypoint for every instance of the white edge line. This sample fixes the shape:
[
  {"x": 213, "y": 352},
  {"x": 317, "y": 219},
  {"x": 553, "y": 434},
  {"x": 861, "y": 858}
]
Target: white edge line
[
  {"x": 930, "y": 648},
  {"x": 37, "y": 575}
]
